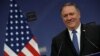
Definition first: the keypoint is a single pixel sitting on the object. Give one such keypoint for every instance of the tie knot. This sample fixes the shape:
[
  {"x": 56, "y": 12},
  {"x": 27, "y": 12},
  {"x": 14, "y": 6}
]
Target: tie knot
[{"x": 74, "y": 31}]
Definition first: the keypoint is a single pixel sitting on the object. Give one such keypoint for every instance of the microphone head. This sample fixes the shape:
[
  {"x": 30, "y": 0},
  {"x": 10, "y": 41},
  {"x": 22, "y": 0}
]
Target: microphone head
[
  {"x": 31, "y": 16},
  {"x": 84, "y": 30},
  {"x": 91, "y": 23}
]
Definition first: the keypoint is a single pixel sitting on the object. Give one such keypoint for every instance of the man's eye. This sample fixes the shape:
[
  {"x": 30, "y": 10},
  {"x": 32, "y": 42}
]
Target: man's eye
[
  {"x": 65, "y": 15},
  {"x": 71, "y": 14}
]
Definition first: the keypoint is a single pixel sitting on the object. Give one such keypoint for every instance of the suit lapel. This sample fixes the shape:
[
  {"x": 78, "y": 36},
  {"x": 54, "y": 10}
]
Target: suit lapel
[
  {"x": 82, "y": 39},
  {"x": 68, "y": 43}
]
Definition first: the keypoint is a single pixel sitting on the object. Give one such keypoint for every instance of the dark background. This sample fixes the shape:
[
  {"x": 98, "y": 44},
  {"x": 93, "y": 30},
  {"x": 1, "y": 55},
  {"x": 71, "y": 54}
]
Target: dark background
[{"x": 48, "y": 23}]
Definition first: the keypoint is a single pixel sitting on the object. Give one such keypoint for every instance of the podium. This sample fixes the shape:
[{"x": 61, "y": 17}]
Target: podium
[{"x": 94, "y": 54}]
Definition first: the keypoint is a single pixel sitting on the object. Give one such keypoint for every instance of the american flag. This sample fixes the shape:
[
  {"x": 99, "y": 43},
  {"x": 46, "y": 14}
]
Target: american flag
[{"x": 19, "y": 39}]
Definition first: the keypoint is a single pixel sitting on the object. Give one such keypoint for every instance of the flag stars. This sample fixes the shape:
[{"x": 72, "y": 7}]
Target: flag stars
[
  {"x": 27, "y": 32},
  {"x": 17, "y": 38},
  {"x": 21, "y": 21},
  {"x": 27, "y": 27},
  {"x": 27, "y": 38},
  {"x": 12, "y": 45},
  {"x": 22, "y": 38},
  {"x": 23, "y": 44},
  {"x": 16, "y": 22},
  {"x": 16, "y": 33},
  {"x": 15, "y": 5},
  {"x": 17, "y": 44},
  {"x": 11, "y": 16},
  {"x": 11, "y": 28},
  {"x": 11, "y": 22},
  {"x": 6, "y": 28},
  {"x": 22, "y": 32},
  {"x": 12, "y": 39},
  {"x": 16, "y": 27},
  {"x": 6, "y": 34},
  {"x": 6, "y": 40},
  {"x": 16, "y": 16},
  {"x": 11, "y": 0},
  {"x": 11, "y": 34},
  {"x": 16, "y": 10},
  {"x": 11, "y": 11},
  {"x": 17, "y": 50},
  {"x": 11, "y": 5},
  {"x": 22, "y": 27},
  {"x": 21, "y": 16}
]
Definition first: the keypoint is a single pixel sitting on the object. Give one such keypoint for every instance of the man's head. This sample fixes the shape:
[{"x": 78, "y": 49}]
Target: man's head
[{"x": 70, "y": 15}]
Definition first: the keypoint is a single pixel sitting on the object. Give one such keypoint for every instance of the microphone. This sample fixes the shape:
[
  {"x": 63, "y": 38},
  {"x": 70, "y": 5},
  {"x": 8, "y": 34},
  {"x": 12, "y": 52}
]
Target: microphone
[
  {"x": 92, "y": 54},
  {"x": 92, "y": 24},
  {"x": 92, "y": 43},
  {"x": 31, "y": 16},
  {"x": 60, "y": 48}
]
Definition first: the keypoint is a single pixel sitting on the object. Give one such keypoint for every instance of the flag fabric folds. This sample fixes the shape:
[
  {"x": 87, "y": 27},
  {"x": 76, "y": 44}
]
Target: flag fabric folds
[{"x": 19, "y": 39}]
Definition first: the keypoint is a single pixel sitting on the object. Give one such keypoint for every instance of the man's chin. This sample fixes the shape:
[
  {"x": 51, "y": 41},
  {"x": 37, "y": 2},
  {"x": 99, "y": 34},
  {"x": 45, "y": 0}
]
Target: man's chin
[{"x": 71, "y": 27}]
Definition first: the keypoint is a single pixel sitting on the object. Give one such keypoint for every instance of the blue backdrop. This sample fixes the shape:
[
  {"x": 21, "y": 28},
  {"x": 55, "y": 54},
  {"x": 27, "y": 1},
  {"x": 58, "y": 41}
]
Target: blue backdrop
[{"x": 48, "y": 23}]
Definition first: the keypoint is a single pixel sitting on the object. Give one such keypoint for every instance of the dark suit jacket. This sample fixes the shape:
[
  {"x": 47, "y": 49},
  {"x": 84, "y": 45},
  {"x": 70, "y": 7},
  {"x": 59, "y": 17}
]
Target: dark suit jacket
[{"x": 90, "y": 42}]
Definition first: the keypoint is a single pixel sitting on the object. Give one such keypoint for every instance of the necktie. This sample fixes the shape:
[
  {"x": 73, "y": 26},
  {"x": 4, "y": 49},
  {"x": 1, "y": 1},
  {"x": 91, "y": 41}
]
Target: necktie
[{"x": 75, "y": 41}]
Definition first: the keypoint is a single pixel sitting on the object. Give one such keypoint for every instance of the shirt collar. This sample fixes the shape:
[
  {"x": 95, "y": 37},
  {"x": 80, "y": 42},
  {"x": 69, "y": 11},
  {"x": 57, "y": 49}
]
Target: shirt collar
[{"x": 77, "y": 29}]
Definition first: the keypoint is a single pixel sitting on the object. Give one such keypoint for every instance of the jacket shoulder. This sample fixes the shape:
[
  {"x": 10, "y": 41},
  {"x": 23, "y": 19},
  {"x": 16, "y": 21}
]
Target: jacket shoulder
[{"x": 61, "y": 35}]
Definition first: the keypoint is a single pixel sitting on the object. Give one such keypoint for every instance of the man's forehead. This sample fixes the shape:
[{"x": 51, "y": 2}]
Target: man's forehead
[{"x": 69, "y": 9}]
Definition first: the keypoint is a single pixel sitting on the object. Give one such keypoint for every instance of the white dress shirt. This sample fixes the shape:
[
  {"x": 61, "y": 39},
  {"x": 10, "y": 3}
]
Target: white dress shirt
[{"x": 78, "y": 35}]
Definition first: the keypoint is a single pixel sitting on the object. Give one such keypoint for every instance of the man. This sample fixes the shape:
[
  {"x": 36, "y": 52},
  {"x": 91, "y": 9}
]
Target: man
[{"x": 77, "y": 39}]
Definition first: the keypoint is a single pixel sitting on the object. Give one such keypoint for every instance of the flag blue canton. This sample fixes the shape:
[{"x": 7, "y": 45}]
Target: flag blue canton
[{"x": 17, "y": 30}]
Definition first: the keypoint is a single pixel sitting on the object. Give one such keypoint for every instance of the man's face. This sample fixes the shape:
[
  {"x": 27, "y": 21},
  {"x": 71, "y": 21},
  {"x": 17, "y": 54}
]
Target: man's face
[{"x": 71, "y": 17}]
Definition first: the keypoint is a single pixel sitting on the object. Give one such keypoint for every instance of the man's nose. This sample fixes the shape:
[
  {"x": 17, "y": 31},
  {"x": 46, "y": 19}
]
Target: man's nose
[{"x": 69, "y": 17}]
